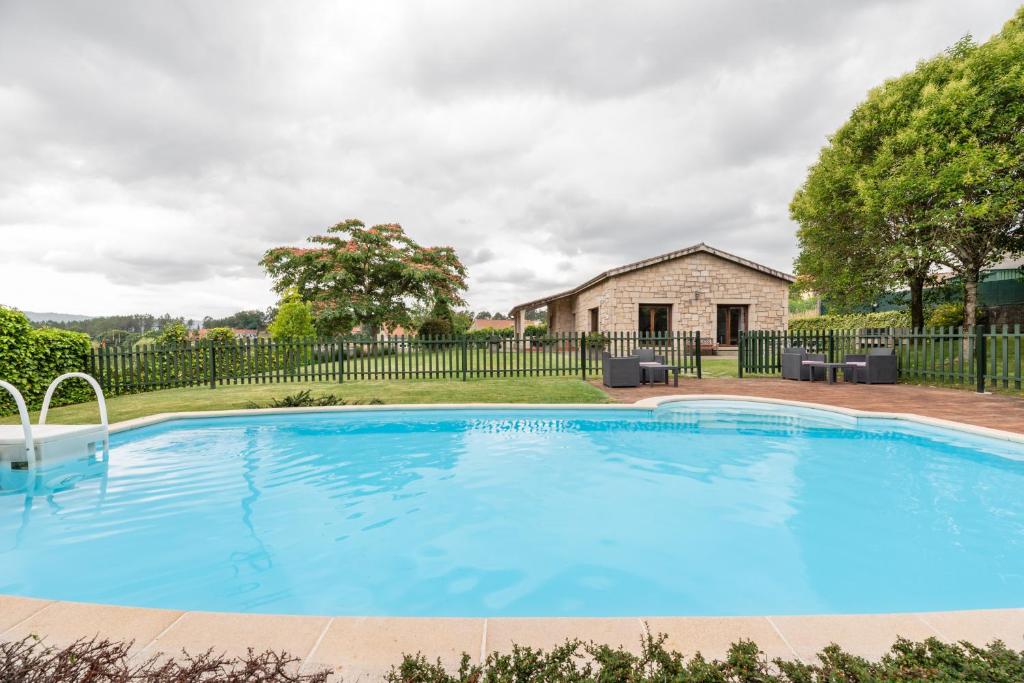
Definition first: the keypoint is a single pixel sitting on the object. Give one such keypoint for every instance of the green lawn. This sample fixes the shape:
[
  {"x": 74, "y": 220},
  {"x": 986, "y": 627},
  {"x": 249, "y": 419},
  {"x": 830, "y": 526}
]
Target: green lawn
[{"x": 515, "y": 390}]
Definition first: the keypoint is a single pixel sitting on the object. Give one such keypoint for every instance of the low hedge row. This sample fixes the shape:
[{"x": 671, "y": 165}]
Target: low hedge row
[
  {"x": 851, "y": 321},
  {"x": 30, "y": 359},
  {"x": 578, "y": 662},
  {"x": 102, "y": 661}
]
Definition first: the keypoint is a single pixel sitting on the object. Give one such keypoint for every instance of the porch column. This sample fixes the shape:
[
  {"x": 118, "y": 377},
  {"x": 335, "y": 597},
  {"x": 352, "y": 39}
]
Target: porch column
[{"x": 520, "y": 318}]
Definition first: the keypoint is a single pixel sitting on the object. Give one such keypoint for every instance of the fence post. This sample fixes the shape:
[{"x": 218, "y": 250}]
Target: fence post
[
  {"x": 696, "y": 351},
  {"x": 739, "y": 354},
  {"x": 341, "y": 359},
  {"x": 213, "y": 367},
  {"x": 831, "y": 346},
  {"x": 979, "y": 356},
  {"x": 583, "y": 356},
  {"x": 465, "y": 355}
]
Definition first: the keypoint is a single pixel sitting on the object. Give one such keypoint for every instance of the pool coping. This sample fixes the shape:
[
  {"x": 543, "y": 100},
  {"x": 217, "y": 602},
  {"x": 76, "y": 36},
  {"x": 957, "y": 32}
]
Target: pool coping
[
  {"x": 366, "y": 647},
  {"x": 646, "y": 404}
]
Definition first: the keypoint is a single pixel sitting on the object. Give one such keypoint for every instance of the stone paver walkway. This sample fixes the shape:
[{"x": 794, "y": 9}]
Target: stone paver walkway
[{"x": 997, "y": 411}]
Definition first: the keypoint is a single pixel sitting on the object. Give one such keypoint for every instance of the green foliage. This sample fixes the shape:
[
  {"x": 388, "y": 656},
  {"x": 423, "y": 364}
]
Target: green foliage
[
  {"x": 173, "y": 334},
  {"x": 366, "y": 277},
  {"x": 536, "y": 330},
  {"x": 243, "y": 320},
  {"x": 219, "y": 335},
  {"x": 31, "y": 660},
  {"x": 32, "y": 358},
  {"x": 597, "y": 340},
  {"x": 852, "y": 321},
  {"x": 294, "y": 320},
  {"x": 138, "y": 323},
  {"x": 950, "y": 314},
  {"x": 435, "y": 327},
  {"x": 304, "y": 399},
  {"x": 927, "y": 170},
  {"x": 579, "y": 662},
  {"x": 487, "y": 334}
]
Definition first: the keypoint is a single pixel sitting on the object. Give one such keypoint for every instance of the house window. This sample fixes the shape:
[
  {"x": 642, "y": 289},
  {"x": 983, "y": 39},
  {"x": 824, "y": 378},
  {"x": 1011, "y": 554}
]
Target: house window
[
  {"x": 594, "y": 322},
  {"x": 655, "y": 319}
]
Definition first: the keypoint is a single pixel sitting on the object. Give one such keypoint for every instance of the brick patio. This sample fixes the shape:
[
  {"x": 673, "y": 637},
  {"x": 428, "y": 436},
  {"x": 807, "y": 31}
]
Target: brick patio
[{"x": 997, "y": 411}]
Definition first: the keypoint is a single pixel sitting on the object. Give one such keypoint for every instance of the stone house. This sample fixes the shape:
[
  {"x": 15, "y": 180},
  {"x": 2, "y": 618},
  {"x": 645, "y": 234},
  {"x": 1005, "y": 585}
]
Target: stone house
[{"x": 697, "y": 288}]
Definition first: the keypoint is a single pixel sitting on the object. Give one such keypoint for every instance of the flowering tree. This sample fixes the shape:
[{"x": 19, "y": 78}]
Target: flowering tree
[{"x": 367, "y": 277}]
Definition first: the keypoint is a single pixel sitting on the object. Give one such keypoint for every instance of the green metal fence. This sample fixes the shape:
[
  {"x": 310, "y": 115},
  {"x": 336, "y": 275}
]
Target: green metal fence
[
  {"x": 146, "y": 367},
  {"x": 987, "y": 356}
]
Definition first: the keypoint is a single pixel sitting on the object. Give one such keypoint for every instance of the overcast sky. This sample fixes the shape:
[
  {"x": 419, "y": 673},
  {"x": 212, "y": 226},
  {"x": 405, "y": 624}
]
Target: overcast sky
[{"x": 150, "y": 152}]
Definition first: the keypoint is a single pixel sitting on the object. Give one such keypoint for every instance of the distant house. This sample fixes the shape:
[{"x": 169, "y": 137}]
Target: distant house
[
  {"x": 697, "y": 288},
  {"x": 492, "y": 325}
]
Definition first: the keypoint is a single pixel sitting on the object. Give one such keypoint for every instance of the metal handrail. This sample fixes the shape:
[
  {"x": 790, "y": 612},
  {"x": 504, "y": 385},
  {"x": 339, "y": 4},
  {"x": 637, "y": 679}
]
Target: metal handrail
[
  {"x": 80, "y": 375},
  {"x": 26, "y": 425}
]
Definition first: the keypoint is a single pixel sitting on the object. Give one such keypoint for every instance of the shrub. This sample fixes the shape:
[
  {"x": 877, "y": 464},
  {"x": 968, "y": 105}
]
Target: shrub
[
  {"x": 173, "y": 333},
  {"x": 30, "y": 359},
  {"x": 220, "y": 335},
  {"x": 538, "y": 330},
  {"x": 294, "y": 320},
  {"x": 597, "y": 340},
  {"x": 577, "y": 662},
  {"x": 103, "y": 661},
  {"x": 435, "y": 327},
  {"x": 949, "y": 314},
  {"x": 851, "y": 321}
]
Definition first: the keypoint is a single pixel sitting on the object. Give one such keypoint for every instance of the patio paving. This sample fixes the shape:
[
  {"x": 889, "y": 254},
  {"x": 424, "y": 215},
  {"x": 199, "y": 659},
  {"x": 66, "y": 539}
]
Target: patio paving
[{"x": 996, "y": 411}]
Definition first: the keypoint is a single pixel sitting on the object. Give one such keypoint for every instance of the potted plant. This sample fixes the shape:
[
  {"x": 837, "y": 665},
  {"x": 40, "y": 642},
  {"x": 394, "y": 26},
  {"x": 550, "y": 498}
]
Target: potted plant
[{"x": 596, "y": 343}]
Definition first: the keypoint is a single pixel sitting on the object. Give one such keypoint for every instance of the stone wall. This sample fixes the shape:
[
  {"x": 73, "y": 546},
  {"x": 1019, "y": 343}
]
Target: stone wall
[{"x": 694, "y": 285}]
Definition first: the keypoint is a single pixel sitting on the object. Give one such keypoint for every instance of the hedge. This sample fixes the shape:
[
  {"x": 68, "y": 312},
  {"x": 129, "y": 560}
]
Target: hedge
[
  {"x": 578, "y": 662},
  {"x": 851, "y": 321},
  {"x": 30, "y": 359},
  {"x": 104, "y": 661}
]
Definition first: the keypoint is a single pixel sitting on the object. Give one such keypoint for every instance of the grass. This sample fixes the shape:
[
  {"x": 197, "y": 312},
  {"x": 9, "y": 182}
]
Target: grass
[{"x": 515, "y": 390}]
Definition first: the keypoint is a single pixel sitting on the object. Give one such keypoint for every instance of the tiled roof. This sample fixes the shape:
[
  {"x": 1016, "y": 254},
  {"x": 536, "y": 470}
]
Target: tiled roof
[{"x": 653, "y": 261}]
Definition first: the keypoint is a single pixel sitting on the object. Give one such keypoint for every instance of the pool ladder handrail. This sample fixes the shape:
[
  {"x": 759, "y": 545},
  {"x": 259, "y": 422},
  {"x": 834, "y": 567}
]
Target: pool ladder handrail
[{"x": 26, "y": 423}]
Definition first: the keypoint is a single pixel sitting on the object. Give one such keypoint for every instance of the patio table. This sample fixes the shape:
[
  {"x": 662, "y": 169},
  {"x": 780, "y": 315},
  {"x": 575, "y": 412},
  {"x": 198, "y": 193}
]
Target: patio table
[
  {"x": 830, "y": 369},
  {"x": 645, "y": 377}
]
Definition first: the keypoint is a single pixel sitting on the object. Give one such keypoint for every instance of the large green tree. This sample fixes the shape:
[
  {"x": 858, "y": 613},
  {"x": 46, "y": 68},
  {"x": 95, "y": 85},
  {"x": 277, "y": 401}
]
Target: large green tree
[
  {"x": 366, "y": 277},
  {"x": 969, "y": 134},
  {"x": 864, "y": 218}
]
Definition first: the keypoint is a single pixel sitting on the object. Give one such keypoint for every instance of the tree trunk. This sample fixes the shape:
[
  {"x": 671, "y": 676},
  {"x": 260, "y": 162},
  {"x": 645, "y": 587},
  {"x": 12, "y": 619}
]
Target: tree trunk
[
  {"x": 917, "y": 302},
  {"x": 971, "y": 298}
]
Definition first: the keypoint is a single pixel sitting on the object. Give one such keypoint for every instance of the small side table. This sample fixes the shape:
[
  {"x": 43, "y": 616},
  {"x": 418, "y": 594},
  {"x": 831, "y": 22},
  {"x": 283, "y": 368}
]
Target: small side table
[
  {"x": 830, "y": 369},
  {"x": 645, "y": 368}
]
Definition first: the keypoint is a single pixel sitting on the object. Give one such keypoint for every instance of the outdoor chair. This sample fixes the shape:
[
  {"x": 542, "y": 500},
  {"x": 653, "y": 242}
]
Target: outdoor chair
[
  {"x": 620, "y": 372},
  {"x": 648, "y": 356},
  {"x": 877, "y": 366},
  {"x": 793, "y": 364}
]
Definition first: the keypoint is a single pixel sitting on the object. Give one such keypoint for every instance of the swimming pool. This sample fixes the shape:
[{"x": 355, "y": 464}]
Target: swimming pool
[{"x": 695, "y": 508}]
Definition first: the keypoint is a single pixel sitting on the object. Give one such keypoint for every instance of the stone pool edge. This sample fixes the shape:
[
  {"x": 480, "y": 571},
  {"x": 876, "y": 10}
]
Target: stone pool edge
[
  {"x": 647, "y": 404},
  {"x": 364, "y": 648}
]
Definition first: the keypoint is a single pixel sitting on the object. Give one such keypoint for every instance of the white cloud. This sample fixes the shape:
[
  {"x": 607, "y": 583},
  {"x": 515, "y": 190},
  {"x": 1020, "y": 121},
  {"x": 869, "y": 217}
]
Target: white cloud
[{"x": 152, "y": 151}]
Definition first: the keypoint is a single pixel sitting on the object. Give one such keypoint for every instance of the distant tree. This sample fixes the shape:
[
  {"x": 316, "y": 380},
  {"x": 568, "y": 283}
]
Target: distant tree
[
  {"x": 173, "y": 332},
  {"x": 367, "y": 277},
  {"x": 219, "y": 335},
  {"x": 243, "y": 320},
  {"x": 483, "y": 315},
  {"x": 294, "y": 320}
]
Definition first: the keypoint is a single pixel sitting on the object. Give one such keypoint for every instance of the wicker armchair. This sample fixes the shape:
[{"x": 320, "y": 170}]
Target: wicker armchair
[
  {"x": 793, "y": 364},
  {"x": 648, "y": 356},
  {"x": 878, "y": 366},
  {"x": 620, "y": 372}
]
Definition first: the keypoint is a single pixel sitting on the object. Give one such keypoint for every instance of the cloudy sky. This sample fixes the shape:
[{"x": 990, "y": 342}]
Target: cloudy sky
[{"x": 151, "y": 151}]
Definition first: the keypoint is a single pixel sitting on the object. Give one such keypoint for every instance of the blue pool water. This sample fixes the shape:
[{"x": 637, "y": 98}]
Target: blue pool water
[{"x": 696, "y": 508}]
